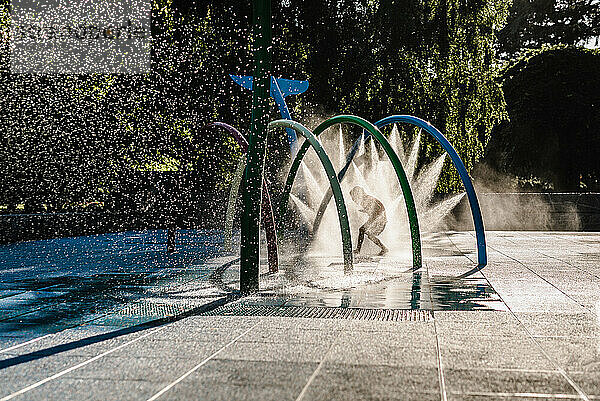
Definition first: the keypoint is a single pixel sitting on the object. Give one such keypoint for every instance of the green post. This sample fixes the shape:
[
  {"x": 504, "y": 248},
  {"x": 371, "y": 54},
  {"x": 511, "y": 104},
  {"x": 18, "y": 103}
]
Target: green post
[{"x": 250, "y": 225}]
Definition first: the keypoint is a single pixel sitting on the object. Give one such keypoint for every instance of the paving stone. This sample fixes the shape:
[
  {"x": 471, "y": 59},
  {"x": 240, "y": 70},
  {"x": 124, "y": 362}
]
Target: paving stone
[
  {"x": 493, "y": 352},
  {"x": 573, "y": 353},
  {"x": 374, "y": 352},
  {"x": 588, "y": 381},
  {"x": 549, "y": 281},
  {"x": 228, "y": 392},
  {"x": 90, "y": 389},
  {"x": 505, "y": 381},
  {"x": 358, "y": 382},
  {"x": 551, "y": 324},
  {"x": 289, "y": 335},
  {"x": 275, "y": 352}
]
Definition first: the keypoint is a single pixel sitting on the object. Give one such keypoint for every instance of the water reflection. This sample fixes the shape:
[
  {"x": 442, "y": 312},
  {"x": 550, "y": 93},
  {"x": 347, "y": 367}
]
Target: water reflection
[
  {"x": 48, "y": 285},
  {"x": 77, "y": 280},
  {"x": 414, "y": 291}
]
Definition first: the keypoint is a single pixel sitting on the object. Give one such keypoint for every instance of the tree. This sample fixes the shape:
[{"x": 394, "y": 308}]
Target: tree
[
  {"x": 552, "y": 100},
  {"x": 433, "y": 59},
  {"x": 536, "y": 23},
  {"x": 67, "y": 139},
  {"x": 77, "y": 134}
]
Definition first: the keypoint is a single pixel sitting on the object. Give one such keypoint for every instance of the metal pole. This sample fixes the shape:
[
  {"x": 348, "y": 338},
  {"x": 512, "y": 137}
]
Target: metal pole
[{"x": 250, "y": 225}]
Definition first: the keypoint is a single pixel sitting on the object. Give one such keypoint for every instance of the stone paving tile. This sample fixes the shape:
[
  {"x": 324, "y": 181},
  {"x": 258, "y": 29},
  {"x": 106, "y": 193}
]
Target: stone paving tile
[
  {"x": 17, "y": 377},
  {"x": 182, "y": 334},
  {"x": 492, "y": 352},
  {"x": 573, "y": 353},
  {"x": 239, "y": 372},
  {"x": 461, "y": 324},
  {"x": 166, "y": 349},
  {"x": 40, "y": 367},
  {"x": 511, "y": 397},
  {"x": 410, "y": 327},
  {"x": 588, "y": 381},
  {"x": 229, "y": 392},
  {"x": 235, "y": 379},
  {"x": 290, "y": 335},
  {"x": 274, "y": 352},
  {"x": 90, "y": 389},
  {"x": 449, "y": 266},
  {"x": 417, "y": 335},
  {"x": 360, "y": 382},
  {"x": 303, "y": 323},
  {"x": 9, "y": 385},
  {"x": 70, "y": 345},
  {"x": 323, "y": 392},
  {"x": 153, "y": 368},
  {"x": 505, "y": 381},
  {"x": 526, "y": 303},
  {"x": 204, "y": 324},
  {"x": 25, "y": 331},
  {"x": 374, "y": 352},
  {"x": 7, "y": 342},
  {"x": 561, "y": 324}
]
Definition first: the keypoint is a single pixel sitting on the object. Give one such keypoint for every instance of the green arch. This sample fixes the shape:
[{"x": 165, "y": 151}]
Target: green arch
[
  {"x": 311, "y": 140},
  {"x": 400, "y": 173}
]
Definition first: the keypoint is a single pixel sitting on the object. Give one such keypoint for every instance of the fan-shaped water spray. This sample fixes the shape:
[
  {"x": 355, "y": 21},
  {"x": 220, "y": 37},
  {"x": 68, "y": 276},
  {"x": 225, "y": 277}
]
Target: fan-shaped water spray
[
  {"x": 413, "y": 157},
  {"x": 313, "y": 186},
  {"x": 426, "y": 182},
  {"x": 397, "y": 143},
  {"x": 377, "y": 177},
  {"x": 305, "y": 211}
]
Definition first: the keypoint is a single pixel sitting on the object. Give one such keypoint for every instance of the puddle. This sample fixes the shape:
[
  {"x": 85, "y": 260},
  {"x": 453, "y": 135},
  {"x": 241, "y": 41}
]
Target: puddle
[
  {"x": 105, "y": 278},
  {"x": 411, "y": 292},
  {"x": 374, "y": 284}
]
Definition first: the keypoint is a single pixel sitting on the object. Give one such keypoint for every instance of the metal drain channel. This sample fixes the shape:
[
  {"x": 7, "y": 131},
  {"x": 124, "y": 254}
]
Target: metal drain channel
[
  {"x": 151, "y": 309},
  {"x": 394, "y": 315}
]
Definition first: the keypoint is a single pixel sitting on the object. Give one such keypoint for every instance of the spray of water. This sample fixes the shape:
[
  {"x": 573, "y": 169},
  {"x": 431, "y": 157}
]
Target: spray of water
[
  {"x": 341, "y": 150},
  {"x": 306, "y": 212},
  {"x": 372, "y": 171},
  {"x": 313, "y": 186},
  {"x": 411, "y": 163}
]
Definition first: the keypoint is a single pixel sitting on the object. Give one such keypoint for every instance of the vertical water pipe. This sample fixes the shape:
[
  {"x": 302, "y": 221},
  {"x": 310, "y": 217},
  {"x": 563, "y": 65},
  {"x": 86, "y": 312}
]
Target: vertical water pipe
[{"x": 255, "y": 158}]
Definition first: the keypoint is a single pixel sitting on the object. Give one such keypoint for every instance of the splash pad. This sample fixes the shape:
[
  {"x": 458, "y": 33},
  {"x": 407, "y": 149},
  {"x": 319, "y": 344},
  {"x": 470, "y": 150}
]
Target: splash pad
[{"x": 256, "y": 191}]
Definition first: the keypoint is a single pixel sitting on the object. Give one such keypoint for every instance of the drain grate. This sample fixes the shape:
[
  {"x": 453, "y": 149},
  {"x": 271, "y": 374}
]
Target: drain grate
[
  {"x": 153, "y": 309},
  {"x": 395, "y": 315}
]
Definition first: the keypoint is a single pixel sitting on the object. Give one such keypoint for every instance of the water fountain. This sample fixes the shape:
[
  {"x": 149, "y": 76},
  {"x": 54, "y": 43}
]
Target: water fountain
[
  {"x": 264, "y": 86},
  {"x": 428, "y": 181},
  {"x": 374, "y": 178},
  {"x": 377, "y": 176}
]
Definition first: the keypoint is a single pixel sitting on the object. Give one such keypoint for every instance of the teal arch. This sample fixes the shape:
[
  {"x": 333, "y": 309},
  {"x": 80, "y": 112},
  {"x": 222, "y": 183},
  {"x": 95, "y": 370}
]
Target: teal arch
[
  {"x": 311, "y": 140},
  {"x": 399, "y": 170}
]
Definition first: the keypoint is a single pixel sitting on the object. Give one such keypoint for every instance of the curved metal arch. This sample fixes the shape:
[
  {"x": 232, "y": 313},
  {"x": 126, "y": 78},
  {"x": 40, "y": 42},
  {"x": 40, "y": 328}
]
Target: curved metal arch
[
  {"x": 464, "y": 176},
  {"x": 400, "y": 173},
  {"x": 311, "y": 140},
  {"x": 267, "y": 209}
]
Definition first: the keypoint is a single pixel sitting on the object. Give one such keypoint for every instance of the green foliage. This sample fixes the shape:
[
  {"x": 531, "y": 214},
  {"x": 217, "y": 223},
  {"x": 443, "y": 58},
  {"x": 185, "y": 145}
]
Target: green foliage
[
  {"x": 72, "y": 137},
  {"x": 433, "y": 59},
  {"x": 533, "y": 24},
  {"x": 67, "y": 138},
  {"x": 552, "y": 99}
]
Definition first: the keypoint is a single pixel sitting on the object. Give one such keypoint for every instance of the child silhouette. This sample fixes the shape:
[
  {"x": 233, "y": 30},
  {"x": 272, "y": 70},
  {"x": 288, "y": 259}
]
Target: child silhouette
[{"x": 376, "y": 222}]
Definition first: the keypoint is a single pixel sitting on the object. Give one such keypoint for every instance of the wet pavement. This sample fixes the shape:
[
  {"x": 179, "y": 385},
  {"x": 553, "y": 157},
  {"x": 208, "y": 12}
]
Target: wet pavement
[{"x": 116, "y": 317}]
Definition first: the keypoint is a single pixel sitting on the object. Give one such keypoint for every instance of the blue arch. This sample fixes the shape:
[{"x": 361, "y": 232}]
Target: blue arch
[
  {"x": 462, "y": 172},
  {"x": 459, "y": 165}
]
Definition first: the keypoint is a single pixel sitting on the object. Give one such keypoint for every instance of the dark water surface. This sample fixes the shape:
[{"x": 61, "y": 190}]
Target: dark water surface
[{"x": 47, "y": 286}]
